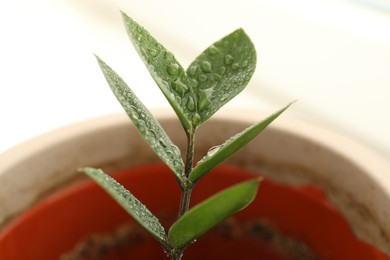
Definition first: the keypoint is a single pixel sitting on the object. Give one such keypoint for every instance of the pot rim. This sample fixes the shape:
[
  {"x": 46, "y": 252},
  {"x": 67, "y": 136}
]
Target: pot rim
[{"x": 361, "y": 155}]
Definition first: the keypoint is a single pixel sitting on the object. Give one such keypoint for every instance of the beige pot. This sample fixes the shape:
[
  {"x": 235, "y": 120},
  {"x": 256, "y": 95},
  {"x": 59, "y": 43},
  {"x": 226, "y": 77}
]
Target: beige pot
[{"x": 356, "y": 180}]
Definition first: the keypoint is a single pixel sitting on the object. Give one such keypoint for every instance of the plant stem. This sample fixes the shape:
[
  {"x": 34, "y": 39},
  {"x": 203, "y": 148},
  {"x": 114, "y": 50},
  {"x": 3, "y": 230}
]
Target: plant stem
[
  {"x": 186, "y": 192},
  {"x": 190, "y": 153},
  {"x": 187, "y": 189},
  {"x": 184, "y": 202},
  {"x": 176, "y": 254}
]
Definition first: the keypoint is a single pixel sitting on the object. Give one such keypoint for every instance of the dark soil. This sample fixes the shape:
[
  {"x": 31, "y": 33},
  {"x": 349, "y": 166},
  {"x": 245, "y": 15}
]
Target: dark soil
[{"x": 130, "y": 236}]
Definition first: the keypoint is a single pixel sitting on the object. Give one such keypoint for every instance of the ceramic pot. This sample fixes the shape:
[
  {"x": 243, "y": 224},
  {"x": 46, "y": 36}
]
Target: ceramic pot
[
  {"x": 290, "y": 152},
  {"x": 283, "y": 222}
]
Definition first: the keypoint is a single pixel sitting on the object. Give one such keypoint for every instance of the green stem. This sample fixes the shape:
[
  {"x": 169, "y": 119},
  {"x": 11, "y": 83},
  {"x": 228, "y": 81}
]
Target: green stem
[
  {"x": 187, "y": 189},
  {"x": 184, "y": 202},
  {"x": 176, "y": 254},
  {"x": 190, "y": 153},
  {"x": 186, "y": 192}
]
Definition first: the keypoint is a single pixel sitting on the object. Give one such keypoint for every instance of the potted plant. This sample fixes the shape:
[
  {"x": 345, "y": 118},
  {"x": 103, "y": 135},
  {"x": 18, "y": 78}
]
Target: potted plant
[{"x": 215, "y": 77}]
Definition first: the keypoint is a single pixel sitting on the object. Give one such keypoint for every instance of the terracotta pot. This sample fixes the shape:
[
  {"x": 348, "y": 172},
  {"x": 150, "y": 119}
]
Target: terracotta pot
[
  {"x": 354, "y": 180},
  {"x": 58, "y": 223}
]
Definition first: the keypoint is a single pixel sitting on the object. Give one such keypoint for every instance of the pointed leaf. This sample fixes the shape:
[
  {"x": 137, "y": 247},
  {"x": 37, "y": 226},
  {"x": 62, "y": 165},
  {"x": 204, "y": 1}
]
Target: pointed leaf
[
  {"x": 219, "y": 153},
  {"x": 145, "y": 123},
  {"x": 128, "y": 202},
  {"x": 165, "y": 70},
  {"x": 222, "y": 71},
  {"x": 210, "y": 212}
]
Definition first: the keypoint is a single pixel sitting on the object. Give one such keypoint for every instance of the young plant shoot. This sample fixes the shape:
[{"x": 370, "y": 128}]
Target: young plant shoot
[{"x": 216, "y": 76}]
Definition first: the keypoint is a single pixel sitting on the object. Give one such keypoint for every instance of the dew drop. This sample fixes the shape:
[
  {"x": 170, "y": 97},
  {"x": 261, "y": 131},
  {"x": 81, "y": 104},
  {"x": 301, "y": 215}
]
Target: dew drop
[
  {"x": 192, "y": 70},
  {"x": 134, "y": 116},
  {"x": 173, "y": 69},
  {"x": 228, "y": 59},
  {"x": 153, "y": 52},
  {"x": 206, "y": 67},
  {"x": 214, "y": 50},
  {"x": 179, "y": 87},
  {"x": 202, "y": 78},
  {"x": 176, "y": 150},
  {"x": 222, "y": 70},
  {"x": 162, "y": 142},
  {"x": 141, "y": 128},
  {"x": 213, "y": 150},
  {"x": 191, "y": 104},
  {"x": 217, "y": 77},
  {"x": 194, "y": 83},
  {"x": 235, "y": 66},
  {"x": 223, "y": 98},
  {"x": 177, "y": 163},
  {"x": 169, "y": 56},
  {"x": 204, "y": 98},
  {"x": 195, "y": 119},
  {"x": 165, "y": 84}
]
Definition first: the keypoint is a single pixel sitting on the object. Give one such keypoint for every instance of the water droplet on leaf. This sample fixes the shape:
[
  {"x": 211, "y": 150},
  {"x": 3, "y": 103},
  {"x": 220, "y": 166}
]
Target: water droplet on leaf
[
  {"x": 153, "y": 52},
  {"x": 204, "y": 98},
  {"x": 228, "y": 59},
  {"x": 173, "y": 69},
  {"x": 169, "y": 56},
  {"x": 206, "y": 67},
  {"x": 235, "y": 66},
  {"x": 210, "y": 152},
  {"x": 202, "y": 78},
  {"x": 214, "y": 50},
  {"x": 179, "y": 87},
  {"x": 222, "y": 70},
  {"x": 192, "y": 70},
  {"x": 191, "y": 104},
  {"x": 195, "y": 119}
]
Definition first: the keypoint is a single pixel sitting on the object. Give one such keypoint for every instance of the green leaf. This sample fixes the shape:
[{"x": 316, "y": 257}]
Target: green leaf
[
  {"x": 218, "y": 154},
  {"x": 210, "y": 212},
  {"x": 130, "y": 203},
  {"x": 221, "y": 72},
  {"x": 216, "y": 76},
  {"x": 145, "y": 123},
  {"x": 165, "y": 70}
]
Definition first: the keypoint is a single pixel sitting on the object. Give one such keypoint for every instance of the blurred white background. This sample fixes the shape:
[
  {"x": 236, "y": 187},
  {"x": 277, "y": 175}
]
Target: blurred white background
[{"x": 331, "y": 56}]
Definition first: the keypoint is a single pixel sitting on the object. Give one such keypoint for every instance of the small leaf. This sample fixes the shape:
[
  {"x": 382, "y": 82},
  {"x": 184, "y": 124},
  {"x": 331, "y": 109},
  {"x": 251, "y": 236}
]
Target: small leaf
[
  {"x": 210, "y": 212},
  {"x": 165, "y": 70},
  {"x": 221, "y": 72},
  {"x": 145, "y": 123},
  {"x": 219, "y": 153},
  {"x": 128, "y": 202}
]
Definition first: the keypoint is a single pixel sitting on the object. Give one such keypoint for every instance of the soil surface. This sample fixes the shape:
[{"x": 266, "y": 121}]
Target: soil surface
[{"x": 234, "y": 235}]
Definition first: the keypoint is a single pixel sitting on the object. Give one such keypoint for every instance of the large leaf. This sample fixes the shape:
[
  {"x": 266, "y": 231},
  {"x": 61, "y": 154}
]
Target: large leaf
[
  {"x": 219, "y": 153},
  {"x": 130, "y": 203},
  {"x": 210, "y": 212},
  {"x": 165, "y": 70},
  {"x": 221, "y": 72},
  {"x": 145, "y": 123},
  {"x": 216, "y": 76}
]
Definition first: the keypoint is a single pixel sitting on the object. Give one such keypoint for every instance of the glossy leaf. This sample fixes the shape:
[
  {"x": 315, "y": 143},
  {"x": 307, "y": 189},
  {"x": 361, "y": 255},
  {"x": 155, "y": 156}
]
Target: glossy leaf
[
  {"x": 129, "y": 203},
  {"x": 221, "y": 72},
  {"x": 218, "y": 154},
  {"x": 210, "y": 212},
  {"x": 145, "y": 123},
  {"x": 165, "y": 70}
]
